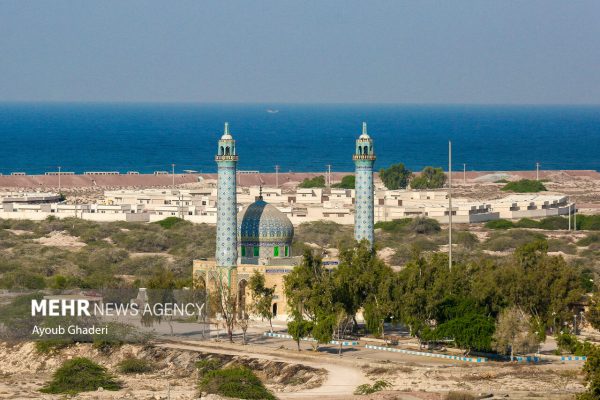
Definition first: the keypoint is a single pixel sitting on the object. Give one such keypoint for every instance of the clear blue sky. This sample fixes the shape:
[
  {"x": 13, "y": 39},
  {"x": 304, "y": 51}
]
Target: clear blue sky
[{"x": 303, "y": 51}]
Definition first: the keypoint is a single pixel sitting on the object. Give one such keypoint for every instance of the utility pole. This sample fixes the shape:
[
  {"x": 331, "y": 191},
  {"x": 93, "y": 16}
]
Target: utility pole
[
  {"x": 574, "y": 217},
  {"x": 59, "y": 179},
  {"x": 173, "y": 174},
  {"x": 569, "y": 217},
  {"x": 277, "y": 176},
  {"x": 328, "y": 175},
  {"x": 464, "y": 173},
  {"x": 181, "y": 205},
  {"x": 537, "y": 171},
  {"x": 450, "y": 205}
]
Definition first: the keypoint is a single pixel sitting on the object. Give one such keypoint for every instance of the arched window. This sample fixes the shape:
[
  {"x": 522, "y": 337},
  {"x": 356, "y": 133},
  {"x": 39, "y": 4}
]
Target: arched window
[
  {"x": 366, "y": 151},
  {"x": 222, "y": 151},
  {"x": 359, "y": 150},
  {"x": 200, "y": 280},
  {"x": 227, "y": 150},
  {"x": 274, "y": 310}
]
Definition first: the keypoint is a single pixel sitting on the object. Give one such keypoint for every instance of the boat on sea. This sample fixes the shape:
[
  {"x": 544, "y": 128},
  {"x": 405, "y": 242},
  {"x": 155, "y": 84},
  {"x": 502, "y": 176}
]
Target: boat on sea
[{"x": 270, "y": 111}]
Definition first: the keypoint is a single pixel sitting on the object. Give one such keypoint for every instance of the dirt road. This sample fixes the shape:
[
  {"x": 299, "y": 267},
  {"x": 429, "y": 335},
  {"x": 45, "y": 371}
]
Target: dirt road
[{"x": 342, "y": 378}]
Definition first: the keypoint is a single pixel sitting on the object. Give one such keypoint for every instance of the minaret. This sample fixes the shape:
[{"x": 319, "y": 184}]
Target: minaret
[
  {"x": 364, "y": 158},
  {"x": 226, "y": 201}
]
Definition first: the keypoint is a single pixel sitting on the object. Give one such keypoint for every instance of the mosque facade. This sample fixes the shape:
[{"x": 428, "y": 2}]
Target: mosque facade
[{"x": 259, "y": 237}]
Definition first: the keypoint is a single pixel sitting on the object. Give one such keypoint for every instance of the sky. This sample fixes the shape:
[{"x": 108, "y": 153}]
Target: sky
[{"x": 330, "y": 51}]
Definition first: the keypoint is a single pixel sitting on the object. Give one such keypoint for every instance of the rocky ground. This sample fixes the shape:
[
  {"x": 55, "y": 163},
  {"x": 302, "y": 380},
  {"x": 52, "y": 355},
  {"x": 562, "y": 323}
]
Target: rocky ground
[
  {"x": 496, "y": 381},
  {"x": 23, "y": 371}
]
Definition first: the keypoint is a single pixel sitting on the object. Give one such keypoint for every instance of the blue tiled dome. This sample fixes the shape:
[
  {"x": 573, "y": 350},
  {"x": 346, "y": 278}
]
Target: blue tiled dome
[{"x": 262, "y": 224}]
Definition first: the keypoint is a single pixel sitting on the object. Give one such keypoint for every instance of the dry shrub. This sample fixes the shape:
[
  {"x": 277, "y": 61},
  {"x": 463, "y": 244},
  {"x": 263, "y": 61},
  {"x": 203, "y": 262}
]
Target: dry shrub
[{"x": 459, "y": 396}]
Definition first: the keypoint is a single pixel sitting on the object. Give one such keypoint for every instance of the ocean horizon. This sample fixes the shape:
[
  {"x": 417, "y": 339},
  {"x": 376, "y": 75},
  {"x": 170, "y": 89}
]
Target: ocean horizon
[{"x": 146, "y": 137}]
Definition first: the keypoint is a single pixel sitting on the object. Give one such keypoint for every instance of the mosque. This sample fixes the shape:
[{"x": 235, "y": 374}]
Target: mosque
[{"x": 259, "y": 237}]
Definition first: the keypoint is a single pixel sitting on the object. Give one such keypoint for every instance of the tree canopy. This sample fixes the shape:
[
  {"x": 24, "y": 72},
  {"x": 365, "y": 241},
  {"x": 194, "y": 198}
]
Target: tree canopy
[
  {"x": 262, "y": 297},
  {"x": 316, "y": 182},
  {"x": 429, "y": 178},
  {"x": 460, "y": 305},
  {"x": 395, "y": 176},
  {"x": 348, "y": 182}
]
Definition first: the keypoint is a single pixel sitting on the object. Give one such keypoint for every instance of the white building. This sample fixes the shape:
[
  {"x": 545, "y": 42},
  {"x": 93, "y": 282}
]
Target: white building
[{"x": 301, "y": 205}]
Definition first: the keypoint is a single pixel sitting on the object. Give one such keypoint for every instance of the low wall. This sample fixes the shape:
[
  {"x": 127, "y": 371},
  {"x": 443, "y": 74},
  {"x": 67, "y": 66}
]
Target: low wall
[
  {"x": 196, "y": 219},
  {"x": 286, "y": 336},
  {"x": 427, "y": 354},
  {"x": 34, "y": 216}
]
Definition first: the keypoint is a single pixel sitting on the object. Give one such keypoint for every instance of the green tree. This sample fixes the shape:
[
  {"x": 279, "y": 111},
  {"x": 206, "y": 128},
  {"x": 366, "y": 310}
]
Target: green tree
[
  {"x": 299, "y": 328},
  {"x": 362, "y": 280},
  {"x": 312, "y": 292},
  {"x": 421, "y": 289},
  {"x": 471, "y": 331},
  {"x": 593, "y": 313},
  {"x": 324, "y": 327},
  {"x": 262, "y": 297},
  {"x": 545, "y": 286},
  {"x": 429, "y": 178},
  {"x": 316, "y": 182},
  {"x": 395, "y": 176},
  {"x": 591, "y": 371},
  {"x": 308, "y": 287},
  {"x": 426, "y": 294},
  {"x": 348, "y": 182}
]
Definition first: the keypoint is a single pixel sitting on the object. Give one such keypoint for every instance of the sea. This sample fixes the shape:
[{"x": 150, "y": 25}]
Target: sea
[{"x": 38, "y": 137}]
